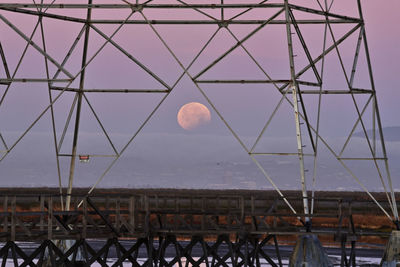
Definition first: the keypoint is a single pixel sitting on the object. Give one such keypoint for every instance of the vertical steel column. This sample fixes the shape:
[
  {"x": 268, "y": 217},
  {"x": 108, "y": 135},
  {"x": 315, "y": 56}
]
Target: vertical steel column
[
  {"x": 379, "y": 123},
  {"x": 296, "y": 113},
  {"x": 78, "y": 109}
]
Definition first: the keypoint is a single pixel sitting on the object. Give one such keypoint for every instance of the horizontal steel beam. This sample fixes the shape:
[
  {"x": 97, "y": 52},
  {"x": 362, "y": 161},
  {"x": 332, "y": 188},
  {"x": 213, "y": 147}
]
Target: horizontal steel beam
[
  {"x": 257, "y": 81},
  {"x": 109, "y": 90},
  {"x": 33, "y": 80},
  {"x": 280, "y": 154},
  {"x": 223, "y": 22},
  {"x": 137, "y": 6},
  {"x": 175, "y": 22},
  {"x": 242, "y": 81},
  {"x": 334, "y": 92},
  {"x": 362, "y": 158},
  {"x": 91, "y": 156},
  {"x": 322, "y": 13}
]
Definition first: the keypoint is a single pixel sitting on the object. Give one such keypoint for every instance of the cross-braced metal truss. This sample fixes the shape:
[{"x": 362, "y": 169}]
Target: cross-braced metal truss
[{"x": 304, "y": 81}]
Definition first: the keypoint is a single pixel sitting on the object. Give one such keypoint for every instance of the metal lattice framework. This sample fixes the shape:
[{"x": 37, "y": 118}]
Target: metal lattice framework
[
  {"x": 199, "y": 227},
  {"x": 302, "y": 81}
]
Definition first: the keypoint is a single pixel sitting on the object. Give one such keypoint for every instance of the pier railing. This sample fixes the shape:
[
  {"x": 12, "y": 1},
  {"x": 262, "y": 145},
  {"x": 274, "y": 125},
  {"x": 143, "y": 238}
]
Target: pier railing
[{"x": 41, "y": 217}]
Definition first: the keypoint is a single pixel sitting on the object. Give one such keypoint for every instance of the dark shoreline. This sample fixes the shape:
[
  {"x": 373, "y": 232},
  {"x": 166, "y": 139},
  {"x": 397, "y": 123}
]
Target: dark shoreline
[
  {"x": 354, "y": 195},
  {"x": 269, "y": 194}
]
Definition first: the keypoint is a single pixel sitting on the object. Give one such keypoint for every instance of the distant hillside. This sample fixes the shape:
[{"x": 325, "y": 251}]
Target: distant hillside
[{"x": 390, "y": 133}]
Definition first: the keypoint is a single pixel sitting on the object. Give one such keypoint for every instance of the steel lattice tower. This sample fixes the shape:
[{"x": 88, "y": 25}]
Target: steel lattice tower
[{"x": 306, "y": 75}]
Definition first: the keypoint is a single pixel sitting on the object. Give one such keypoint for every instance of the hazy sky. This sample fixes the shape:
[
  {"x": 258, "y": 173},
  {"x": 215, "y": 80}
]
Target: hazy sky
[{"x": 245, "y": 108}]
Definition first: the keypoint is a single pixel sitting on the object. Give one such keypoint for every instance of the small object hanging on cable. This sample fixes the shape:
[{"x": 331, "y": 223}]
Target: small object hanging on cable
[{"x": 84, "y": 158}]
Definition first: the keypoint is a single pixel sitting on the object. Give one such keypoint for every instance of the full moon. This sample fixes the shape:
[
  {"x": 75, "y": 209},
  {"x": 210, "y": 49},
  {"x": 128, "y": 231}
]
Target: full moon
[{"x": 193, "y": 115}]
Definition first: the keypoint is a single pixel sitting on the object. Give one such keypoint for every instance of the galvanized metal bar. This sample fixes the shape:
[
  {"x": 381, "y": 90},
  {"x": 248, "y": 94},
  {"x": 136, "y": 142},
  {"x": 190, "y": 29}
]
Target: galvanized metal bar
[
  {"x": 213, "y": 20},
  {"x": 137, "y": 6},
  {"x": 374, "y": 125},
  {"x": 216, "y": 22},
  {"x": 314, "y": 178},
  {"x": 32, "y": 80},
  {"x": 374, "y": 158},
  {"x": 334, "y": 92},
  {"x": 78, "y": 111},
  {"x": 294, "y": 88},
  {"x": 307, "y": 122},
  {"x": 300, "y": 154},
  {"x": 101, "y": 124},
  {"x": 111, "y": 90},
  {"x": 53, "y": 123},
  {"x": 43, "y": 14},
  {"x": 279, "y": 154},
  {"x": 4, "y": 143},
  {"x": 357, "y": 53},
  {"x": 67, "y": 122},
  {"x": 304, "y": 45},
  {"x": 4, "y": 60},
  {"x": 222, "y": 11},
  {"x": 91, "y": 155},
  {"x": 242, "y": 81}
]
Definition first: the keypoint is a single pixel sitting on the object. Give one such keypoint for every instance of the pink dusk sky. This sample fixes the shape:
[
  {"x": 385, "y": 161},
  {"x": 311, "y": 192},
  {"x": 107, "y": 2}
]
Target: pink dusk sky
[{"x": 243, "y": 107}]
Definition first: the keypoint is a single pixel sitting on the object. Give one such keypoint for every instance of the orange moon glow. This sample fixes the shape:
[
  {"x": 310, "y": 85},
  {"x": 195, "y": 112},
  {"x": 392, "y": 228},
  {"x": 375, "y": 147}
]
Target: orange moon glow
[{"x": 193, "y": 115}]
